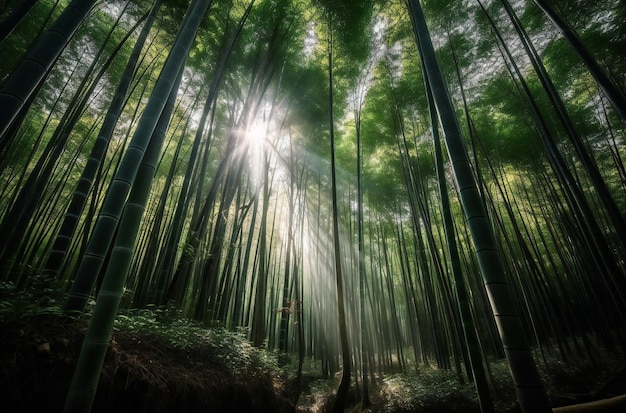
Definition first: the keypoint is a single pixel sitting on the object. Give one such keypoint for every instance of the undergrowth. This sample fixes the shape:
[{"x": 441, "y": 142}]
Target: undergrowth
[
  {"x": 39, "y": 296},
  {"x": 160, "y": 324},
  {"x": 431, "y": 390},
  {"x": 229, "y": 352},
  {"x": 228, "y": 347}
]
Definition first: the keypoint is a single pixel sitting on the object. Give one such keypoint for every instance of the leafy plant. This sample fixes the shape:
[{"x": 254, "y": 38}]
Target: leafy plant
[
  {"x": 168, "y": 326},
  {"x": 431, "y": 390},
  {"x": 39, "y": 296}
]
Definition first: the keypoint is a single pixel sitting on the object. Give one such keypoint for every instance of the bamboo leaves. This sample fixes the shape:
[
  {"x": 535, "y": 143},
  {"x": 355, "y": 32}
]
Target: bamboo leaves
[
  {"x": 612, "y": 92},
  {"x": 35, "y": 66}
]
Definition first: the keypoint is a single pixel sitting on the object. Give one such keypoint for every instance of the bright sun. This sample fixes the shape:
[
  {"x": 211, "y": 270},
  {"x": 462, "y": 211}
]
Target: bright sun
[
  {"x": 255, "y": 139},
  {"x": 256, "y": 133}
]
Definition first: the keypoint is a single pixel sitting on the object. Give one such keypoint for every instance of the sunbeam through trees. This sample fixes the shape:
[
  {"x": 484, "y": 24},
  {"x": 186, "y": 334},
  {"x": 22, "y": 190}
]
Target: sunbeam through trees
[{"x": 382, "y": 196}]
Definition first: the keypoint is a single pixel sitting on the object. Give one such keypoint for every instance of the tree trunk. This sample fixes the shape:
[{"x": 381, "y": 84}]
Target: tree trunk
[
  {"x": 530, "y": 391},
  {"x": 344, "y": 385},
  {"x": 113, "y": 204}
]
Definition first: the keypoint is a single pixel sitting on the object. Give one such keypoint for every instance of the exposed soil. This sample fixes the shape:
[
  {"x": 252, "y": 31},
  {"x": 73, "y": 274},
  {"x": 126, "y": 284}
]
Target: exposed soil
[{"x": 37, "y": 356}]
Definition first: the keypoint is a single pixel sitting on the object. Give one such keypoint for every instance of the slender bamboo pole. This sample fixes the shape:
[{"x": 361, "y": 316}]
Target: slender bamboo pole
[{"x": 530, "y": 391}]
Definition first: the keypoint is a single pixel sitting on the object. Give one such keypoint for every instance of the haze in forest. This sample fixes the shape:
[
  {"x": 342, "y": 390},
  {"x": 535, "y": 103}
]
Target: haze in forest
[{"x": 369, "y": 188}]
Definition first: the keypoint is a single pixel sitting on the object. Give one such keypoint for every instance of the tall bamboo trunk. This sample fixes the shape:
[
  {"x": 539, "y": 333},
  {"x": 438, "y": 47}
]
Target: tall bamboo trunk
[{"x": 530, "y": 391}]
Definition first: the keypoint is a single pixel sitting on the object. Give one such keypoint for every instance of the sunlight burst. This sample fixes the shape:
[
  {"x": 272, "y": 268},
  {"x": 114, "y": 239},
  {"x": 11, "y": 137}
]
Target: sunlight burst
[
  {"x": 255, "y": 145},
  {"x": 256, "y": 132}
]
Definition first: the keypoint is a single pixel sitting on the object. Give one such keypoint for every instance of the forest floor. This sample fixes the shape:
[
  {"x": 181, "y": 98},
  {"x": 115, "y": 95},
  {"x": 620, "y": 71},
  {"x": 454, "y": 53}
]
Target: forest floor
[{"x": 158, "y": 366}]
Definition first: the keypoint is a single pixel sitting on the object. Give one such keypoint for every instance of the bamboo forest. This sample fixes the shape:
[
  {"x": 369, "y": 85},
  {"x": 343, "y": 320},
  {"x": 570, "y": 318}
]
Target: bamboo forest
[{"x": 312, "y": 206}]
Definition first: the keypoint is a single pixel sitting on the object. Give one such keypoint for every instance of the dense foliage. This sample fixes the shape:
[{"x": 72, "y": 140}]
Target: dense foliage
[{"x": 176, "y": 156}]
